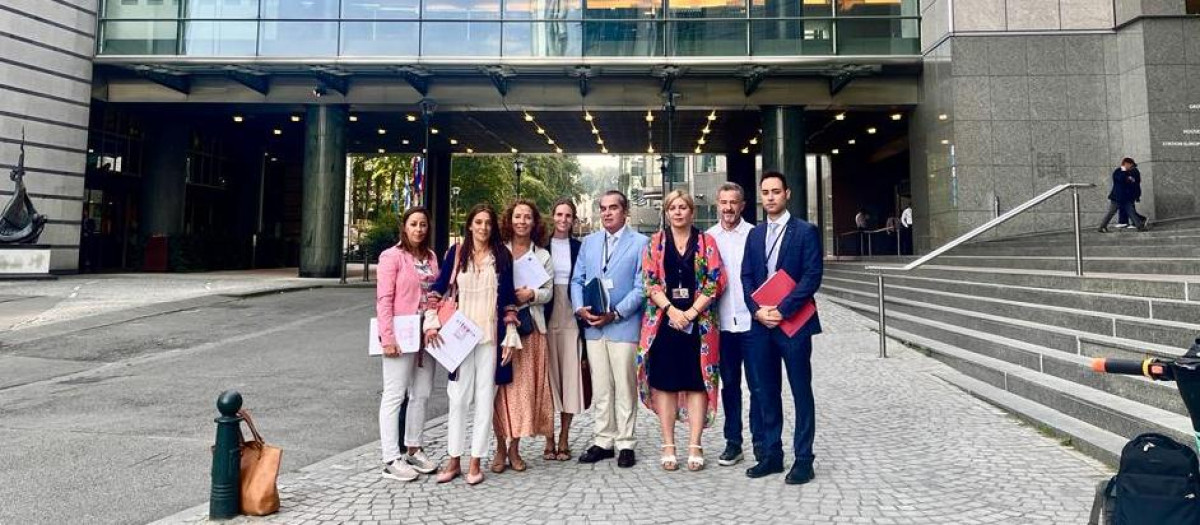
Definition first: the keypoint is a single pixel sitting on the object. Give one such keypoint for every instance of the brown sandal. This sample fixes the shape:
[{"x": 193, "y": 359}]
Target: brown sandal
[
  {"x": 549, "y": 454},
  {"x": 498, "y": 464},
  {"x": 564, "y": 454}
]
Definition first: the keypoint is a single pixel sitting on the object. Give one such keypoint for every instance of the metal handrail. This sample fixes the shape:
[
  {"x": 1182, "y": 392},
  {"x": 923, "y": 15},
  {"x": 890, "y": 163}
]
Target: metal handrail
[{"x": 985, "y": 227}]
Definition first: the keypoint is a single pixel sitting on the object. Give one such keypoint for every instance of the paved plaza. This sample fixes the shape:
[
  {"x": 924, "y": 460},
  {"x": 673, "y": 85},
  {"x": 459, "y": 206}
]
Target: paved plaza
[{"x": 895, "y": 444}]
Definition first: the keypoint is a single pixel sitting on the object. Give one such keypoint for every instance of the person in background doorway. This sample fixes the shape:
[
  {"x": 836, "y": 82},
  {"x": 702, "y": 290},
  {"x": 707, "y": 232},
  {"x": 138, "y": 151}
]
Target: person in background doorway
[
  {"x": 1126, "y": 187},
  {"x": 730, "y": 234},
  {"x": 906, "y": 224},
  {"x": 862, "y": 220}
]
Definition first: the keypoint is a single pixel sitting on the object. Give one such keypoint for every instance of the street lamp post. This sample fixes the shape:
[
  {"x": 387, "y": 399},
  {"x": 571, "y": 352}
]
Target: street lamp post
[
  {"x": 454, "y": 191},
  {"x": 518, "y": 167}
]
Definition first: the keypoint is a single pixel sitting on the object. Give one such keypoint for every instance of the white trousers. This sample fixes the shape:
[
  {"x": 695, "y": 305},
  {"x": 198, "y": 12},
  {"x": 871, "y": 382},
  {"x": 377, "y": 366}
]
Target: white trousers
[
  {"x": 402, "y": 378},
  {"x": 476, "y": 383},
  {"x": 614, "y": 392}
]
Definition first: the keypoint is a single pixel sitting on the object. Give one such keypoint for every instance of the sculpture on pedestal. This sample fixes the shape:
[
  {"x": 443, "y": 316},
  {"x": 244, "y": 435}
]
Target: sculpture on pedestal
[{"x": 20, "y": 223}]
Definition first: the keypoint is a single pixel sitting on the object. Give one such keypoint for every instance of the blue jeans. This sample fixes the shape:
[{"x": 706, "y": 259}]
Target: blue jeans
[
  {"x": 766, "y": 349},
  {"x": 732, "y": 352}
]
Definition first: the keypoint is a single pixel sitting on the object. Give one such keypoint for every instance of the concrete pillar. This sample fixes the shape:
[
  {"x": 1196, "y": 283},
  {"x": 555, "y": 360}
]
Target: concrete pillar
[
  {"x": 164, "y": 184},
  {"x": 323, "y": 207},
  {"x": 783, "y": 151},
  {"x": 740, "y": 169},
  {"x": 437, "y": 198}
]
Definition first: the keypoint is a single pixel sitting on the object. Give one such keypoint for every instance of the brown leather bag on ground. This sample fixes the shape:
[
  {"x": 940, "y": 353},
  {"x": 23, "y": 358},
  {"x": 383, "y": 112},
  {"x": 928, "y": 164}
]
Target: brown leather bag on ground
[{"x": 259, "y": 471}]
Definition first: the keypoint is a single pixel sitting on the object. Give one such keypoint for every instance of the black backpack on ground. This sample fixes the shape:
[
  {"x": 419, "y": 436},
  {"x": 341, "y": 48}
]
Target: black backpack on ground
[{"x": 1158, "y": 483}]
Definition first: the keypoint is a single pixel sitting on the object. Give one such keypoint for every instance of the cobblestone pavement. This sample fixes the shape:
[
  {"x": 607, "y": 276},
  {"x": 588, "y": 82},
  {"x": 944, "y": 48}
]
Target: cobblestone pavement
[
  {"x": 894, "y": 445},
  {"x": 31, "y": 303}
]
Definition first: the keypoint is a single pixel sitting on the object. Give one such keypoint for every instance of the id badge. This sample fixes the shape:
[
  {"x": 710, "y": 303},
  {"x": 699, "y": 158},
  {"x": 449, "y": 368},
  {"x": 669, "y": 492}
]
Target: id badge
[
  {"x": 608, "y": 283},
  {"x": 681, "y": 293}
]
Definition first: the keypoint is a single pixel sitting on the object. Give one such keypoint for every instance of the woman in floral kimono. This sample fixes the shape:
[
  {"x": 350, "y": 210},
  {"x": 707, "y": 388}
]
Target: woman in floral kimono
[{"x": 677, "y": 362}]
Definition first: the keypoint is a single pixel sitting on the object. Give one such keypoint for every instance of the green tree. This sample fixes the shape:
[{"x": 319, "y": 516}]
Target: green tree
[{"x": 491, "y": 179}]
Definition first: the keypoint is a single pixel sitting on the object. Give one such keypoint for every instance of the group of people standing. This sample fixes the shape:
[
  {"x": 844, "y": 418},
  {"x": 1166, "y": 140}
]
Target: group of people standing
[{"x": 681, "y": 319}]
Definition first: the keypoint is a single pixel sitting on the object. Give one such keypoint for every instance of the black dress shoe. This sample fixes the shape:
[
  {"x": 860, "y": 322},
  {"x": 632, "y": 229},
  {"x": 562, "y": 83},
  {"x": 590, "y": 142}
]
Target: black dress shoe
[
  {"x": 625, "y": 458},
  {"x": 595, "y": 453},
  {"x": 765, "y": 468},
  {"x": 800, "y": 474},
  {"x": 731, "y": 456}
]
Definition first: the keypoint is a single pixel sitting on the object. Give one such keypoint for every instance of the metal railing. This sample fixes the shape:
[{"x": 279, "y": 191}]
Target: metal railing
[{"x": 1073, "y": 186}]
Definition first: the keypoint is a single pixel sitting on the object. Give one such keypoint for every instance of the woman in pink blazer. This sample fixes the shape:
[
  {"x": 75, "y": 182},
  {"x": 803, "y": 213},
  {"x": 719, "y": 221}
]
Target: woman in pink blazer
[{"x": 406, "y": 272}]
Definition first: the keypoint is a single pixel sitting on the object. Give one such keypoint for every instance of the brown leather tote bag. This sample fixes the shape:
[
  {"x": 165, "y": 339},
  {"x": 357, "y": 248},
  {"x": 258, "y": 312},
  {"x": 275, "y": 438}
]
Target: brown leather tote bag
[{"x": 259, "y": 472}]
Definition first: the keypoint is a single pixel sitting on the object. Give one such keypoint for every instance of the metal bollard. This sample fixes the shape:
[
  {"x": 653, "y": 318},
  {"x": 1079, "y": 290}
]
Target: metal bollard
[{"x": 225, "y": 498}]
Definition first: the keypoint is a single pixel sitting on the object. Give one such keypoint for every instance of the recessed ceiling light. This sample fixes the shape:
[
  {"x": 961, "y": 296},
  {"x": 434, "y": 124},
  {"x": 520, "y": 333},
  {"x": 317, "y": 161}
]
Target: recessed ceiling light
[
  {"x": 650, "y": 149},
  {"x": 381, "y": 150},
  {"x": 595, "y": 131},
  {"x": 697, "y": 150},
  {"x": 295, "y": 118},
  {"x": 274, "y": 159},
  {"x": 701, "y": 141},
  {"x": 238, "y": 118},
  {"x": 410, "y": 118},
  {"x": 943, "y": 116},
  {"x": 587, "y": 116},
  {"x": 558, "y": 150},
  {"x": 528, "y": 117},
  {"x": 550, "y": 141},
  {"x": 897, "y": 116},
  {"x": 603, "y": 150},
  {"x": 277, "y": 131},
  {"x": 840, "y": 116},
  {"x": 745, "y": 150},
  {"x": 835, "y": 151},
  {"x": 706, "y": 131},
  {"x": 600, "y": 141},
  {"x": 870, "y": 131},
  {"x": 514, "y": 150},
  {"x": 541, "y": 131},
  {"x": 945, "y": 141},
  {"x": 649, "y": 117},
  {"x": 353, "y": 118},
  {"x": 851, "y": 142},
  {"x": 433, "y": 130},
  {"x": 405, "y": 142},
  {"x": 469, "y": 150},
  {"x": 382, "y": 131},
  {"x": 754, "y": 141},
  {"x": 712, "y": 116},
  {"x": 453, "y": 141}
]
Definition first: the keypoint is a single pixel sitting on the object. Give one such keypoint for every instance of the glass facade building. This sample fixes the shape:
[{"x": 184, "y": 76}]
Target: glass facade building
[{"x": 508, "y": 28}]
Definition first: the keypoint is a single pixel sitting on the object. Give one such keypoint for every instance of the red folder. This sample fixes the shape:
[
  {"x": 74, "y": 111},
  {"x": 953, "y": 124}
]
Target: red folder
[{"x": 772, "y": 292}]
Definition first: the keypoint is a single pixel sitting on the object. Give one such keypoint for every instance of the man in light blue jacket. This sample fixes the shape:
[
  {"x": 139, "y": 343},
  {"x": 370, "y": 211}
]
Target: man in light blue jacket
[{"x": 614, "y": 256}]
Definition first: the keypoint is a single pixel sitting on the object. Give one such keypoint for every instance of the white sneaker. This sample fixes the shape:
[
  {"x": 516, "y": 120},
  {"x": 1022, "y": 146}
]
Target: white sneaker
[
  {"x": 399, "y": 471},
  {"x": 1122, "y": 225},
  {"x": 421, "y": 462}
]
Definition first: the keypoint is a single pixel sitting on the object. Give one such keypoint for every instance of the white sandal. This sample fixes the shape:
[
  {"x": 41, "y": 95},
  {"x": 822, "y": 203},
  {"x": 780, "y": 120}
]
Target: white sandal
[
  {"x": 668, "y": 462},
  {"x": 695, "y": 463}
]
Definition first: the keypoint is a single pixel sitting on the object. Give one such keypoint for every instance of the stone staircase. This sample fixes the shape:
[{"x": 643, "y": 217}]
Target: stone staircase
[{"x": 1013, "y": 318}]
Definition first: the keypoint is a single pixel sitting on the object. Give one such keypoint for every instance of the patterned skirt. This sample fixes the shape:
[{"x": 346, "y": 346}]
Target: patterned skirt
[{"x": 525, "y": 408}]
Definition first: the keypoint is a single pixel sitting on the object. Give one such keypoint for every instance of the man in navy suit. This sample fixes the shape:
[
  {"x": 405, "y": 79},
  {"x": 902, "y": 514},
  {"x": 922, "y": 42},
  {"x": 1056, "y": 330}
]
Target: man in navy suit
[{"x": 787, "y": 243}]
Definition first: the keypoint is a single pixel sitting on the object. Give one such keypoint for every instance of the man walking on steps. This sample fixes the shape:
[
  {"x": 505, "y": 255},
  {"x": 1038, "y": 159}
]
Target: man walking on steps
[{"x": 1126, "y": 187}]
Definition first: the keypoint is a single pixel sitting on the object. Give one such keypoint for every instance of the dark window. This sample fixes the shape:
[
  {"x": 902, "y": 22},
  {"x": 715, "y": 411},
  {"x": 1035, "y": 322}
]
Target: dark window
[{"x": 1192, "y": 7}]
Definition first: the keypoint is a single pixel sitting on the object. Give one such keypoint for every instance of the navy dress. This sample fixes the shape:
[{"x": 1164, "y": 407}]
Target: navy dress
[{"x": 674, "y": 362}]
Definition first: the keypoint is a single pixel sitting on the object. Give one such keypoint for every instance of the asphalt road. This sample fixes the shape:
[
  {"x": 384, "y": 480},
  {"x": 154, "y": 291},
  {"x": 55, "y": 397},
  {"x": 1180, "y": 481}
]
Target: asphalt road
[{"x": 116, "y": 423}]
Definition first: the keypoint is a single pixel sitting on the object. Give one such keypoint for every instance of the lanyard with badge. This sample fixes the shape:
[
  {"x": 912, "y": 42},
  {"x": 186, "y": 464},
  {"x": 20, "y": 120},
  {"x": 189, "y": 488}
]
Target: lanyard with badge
[
  {"x": 681, "y": 292},
  {"x": 607, "y": 282}
]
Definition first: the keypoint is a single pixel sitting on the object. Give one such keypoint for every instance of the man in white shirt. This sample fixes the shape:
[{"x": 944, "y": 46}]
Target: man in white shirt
[
  {"x": 735, "y": 318},
  {"x": 906, "y": 222}
]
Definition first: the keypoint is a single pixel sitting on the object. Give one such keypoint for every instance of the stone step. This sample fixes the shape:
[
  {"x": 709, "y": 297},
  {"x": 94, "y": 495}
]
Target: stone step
[
  {"x": 1112, "y": 413},
  {"x": 1126, "y": 265},
  {"x": 1157, "y": 331},
  {"x": 1147, "y": 286},
  {"x": 1122, "y": 239},
  {"x": 1089, "y": 439},
  {"x": 1129, "y": 305},
  {"x": 1071, "y": 366},
  {"x": 1137, "y": 252}
]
